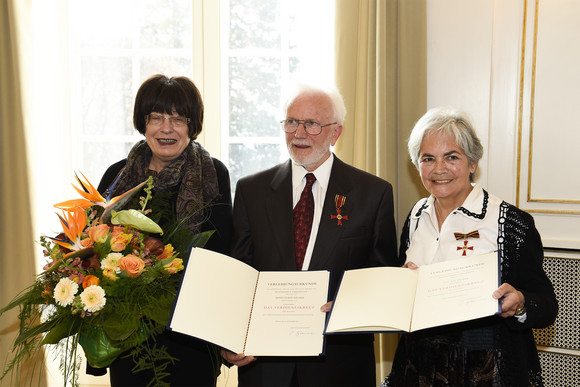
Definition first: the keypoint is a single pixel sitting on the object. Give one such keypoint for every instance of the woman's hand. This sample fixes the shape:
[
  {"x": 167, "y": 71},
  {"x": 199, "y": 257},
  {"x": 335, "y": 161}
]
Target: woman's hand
[
  {"x": 411, "y": 265},
  {"x": 511, "y": 299},
  {"x": 239, "y": 359}
]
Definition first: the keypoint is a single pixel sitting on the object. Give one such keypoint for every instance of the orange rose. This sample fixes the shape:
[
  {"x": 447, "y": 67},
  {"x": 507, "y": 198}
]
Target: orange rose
[
  {"x": 98, "y": 234},
  {"x": 119, "y": 239},
  {"x": 132, "y": 265},
  {"x": 87, "y": 242},
  {"x": 90, "y": 280}
]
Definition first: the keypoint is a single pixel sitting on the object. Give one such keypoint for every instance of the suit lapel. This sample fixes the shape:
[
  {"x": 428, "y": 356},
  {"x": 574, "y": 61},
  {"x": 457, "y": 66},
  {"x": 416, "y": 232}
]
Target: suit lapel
[
  {"x": 279, "y": 212},
  {"x": 329, "y": 232}
]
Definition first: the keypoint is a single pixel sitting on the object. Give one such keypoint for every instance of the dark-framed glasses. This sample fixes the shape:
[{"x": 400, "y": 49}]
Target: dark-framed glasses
[
  {"x": 311, "y": 127},
  {"x": 156, "y": 120}
]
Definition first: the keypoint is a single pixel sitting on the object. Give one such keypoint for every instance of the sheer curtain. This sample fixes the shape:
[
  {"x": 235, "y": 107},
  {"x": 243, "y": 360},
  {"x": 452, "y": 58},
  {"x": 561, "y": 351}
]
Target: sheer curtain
[
  {"x": 16, "y": 233},
  {"x": 381, "y": 72}
]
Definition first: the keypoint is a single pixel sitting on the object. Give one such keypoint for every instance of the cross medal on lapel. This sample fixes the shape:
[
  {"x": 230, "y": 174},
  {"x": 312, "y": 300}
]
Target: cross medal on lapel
[
  {"x": 459, "y": 236},
  {"x": 339, "y": 201}
]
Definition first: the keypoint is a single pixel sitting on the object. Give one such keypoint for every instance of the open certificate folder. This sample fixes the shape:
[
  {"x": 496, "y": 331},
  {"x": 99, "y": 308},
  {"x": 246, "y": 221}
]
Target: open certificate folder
[
  {"x": 229, "y": 303},
  {"x": 383, "y": 299}
]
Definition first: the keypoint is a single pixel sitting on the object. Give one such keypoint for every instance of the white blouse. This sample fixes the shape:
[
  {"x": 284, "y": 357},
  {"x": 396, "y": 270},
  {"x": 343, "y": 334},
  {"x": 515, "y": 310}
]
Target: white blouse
[{"x": 475, "y": 222}]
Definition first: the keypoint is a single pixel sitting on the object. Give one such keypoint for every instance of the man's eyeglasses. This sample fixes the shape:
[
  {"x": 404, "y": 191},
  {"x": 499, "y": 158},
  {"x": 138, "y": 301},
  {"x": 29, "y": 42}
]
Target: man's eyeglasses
[
  {"x": 311, "y": 127},
  {"x": 157, "y": 120}
]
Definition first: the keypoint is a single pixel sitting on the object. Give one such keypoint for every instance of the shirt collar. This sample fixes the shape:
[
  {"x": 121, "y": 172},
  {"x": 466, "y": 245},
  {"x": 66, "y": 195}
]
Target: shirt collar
[
  {"x": 475, "y": 205},
  {"x": 322, "y": 173}
]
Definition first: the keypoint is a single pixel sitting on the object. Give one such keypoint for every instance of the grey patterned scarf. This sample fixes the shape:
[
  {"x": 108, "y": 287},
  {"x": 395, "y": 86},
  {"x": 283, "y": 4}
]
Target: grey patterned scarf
[{"x": 192, "y": 172}]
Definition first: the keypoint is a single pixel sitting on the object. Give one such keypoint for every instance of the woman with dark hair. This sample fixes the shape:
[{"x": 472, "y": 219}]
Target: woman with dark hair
[
  {"x": 462, "y": 219},
  {"x": 193, "y": 188}
]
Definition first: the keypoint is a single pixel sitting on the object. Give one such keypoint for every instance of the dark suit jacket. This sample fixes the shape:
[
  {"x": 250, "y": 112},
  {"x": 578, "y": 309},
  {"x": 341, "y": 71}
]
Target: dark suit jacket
[{"x": 263, "y": 238}]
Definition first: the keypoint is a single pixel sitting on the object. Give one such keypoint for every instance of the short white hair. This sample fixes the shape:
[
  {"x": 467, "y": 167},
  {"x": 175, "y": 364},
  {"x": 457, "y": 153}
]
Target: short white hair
[
  {"x": 299, "y": 89},
  {"x": 451, "y": 121}
]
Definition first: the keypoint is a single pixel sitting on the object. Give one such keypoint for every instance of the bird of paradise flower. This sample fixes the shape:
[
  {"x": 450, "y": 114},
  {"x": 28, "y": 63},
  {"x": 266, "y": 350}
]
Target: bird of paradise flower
[
  {"x": 92, "y": 197},
  {"x": 74, "y": 218}
]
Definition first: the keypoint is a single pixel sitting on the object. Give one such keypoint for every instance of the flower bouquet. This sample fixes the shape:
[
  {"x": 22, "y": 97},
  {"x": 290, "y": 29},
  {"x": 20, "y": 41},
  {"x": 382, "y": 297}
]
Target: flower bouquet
[{"x": 109, "y": 284}]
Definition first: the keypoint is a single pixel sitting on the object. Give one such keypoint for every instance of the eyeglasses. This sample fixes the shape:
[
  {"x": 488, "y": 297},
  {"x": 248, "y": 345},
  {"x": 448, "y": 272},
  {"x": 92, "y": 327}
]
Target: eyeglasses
[
  {"x": 311, "y": 127},
  {"x": 158, "y": 120}
]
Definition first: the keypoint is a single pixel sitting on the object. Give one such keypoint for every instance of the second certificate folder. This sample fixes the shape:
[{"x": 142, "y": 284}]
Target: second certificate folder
[
  {"x": 387, "y": 299},
  {"x": 229, "y": 303}
]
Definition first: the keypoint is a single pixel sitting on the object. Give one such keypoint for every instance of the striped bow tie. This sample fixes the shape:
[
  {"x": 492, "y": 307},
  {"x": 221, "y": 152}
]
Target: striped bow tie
[{"x": 473, "y": 234}]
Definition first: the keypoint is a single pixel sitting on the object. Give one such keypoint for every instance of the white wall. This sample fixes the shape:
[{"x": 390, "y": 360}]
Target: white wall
[{"x": 512, "y": 67}]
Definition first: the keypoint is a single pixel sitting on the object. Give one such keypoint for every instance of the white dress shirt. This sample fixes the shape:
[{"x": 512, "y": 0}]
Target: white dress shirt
[{"x": 319, "y": 188}]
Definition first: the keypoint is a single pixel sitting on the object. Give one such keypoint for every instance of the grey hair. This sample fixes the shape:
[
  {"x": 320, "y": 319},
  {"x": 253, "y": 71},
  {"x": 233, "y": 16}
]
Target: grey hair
[
  {"x": 300, "y": 89},
  {"x": 447, "y": 121}
]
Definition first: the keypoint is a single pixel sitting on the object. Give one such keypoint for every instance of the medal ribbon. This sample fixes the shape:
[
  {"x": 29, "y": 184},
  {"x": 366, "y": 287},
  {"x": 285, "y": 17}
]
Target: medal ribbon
[{"x": 459, "y": 236}]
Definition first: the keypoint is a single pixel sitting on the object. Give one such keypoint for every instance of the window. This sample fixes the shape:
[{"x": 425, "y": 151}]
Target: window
[
  {"x": 85, "y": 61},
  {"x": 114, "y": 46},
  {"x": 264, "y": 44},
  {"x": 89, "y": 58},
  {"x": 108, "y": 48}
]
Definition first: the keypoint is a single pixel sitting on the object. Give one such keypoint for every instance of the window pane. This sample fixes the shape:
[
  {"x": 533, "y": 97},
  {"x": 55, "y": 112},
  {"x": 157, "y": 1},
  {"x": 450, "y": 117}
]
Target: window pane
[
  {"x": 107, "y": 105},
  {"x": 254, "y": 23},
  {"x": 90, "y": 21},
  {"x": 165, "y": 23},
  {"x": 170, "y": 66},
  {"x": 246, "y": 159},
  {"x": 141, "y": 38},
  {"x": 310, "y": 27},
  {"x": 119, "y": 24},
  {"x": 266, "y": 42},
  {"x": 98, "y": 156},
  {"x": 254, "y": 96}
]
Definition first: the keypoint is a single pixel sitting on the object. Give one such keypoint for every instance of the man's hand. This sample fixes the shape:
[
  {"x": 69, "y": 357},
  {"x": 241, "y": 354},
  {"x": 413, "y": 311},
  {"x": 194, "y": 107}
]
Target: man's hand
[
  {"x": 326, "y": 307},
  {"x": 411, "y": 265},
  {"x": 239, "y": 359}
]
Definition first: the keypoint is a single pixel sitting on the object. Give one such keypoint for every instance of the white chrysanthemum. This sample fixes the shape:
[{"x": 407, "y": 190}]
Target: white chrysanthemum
[
  {"x": 93, "y": 298},
  {"x": 111, "y": 262},
  {"x": 64, "y": 291}
]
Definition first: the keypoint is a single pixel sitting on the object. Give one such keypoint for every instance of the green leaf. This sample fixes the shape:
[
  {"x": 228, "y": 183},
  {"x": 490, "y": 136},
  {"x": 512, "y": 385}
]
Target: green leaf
[
  {"x": 119, "y": 327},
  {"x": 61, "y": 328},
  {"x": 199, "y": 240},
  {"x": 135, "y": 219},
  {"x": 160, "y": 309},
  {"x": 99, "y": 349},
  {"x": 24, "y": 297},
  {"x": 120, "y": 202},
  {"x": 87, "y": 252},
  {"x": 184, "y": 241}
]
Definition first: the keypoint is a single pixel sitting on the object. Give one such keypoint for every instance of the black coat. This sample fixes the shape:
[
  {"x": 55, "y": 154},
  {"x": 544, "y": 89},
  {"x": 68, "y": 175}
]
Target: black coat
[
  {"x": 521, "y": 267},
  {"x": 197, "y": 360}
]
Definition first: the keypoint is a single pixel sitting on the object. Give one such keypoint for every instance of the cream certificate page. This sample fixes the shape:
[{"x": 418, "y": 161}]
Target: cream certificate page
[
  {"x": 374, "y": 299},
  {"x": 215, "y": 299},
  {"x": 383, "y": 299},
  {"x": 231, "y": 304},
  {"x": 286, "y": 314},
  {"x": 457, "y": 290}
]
